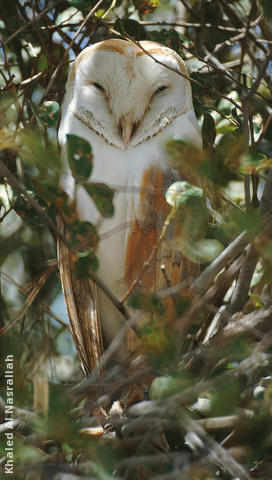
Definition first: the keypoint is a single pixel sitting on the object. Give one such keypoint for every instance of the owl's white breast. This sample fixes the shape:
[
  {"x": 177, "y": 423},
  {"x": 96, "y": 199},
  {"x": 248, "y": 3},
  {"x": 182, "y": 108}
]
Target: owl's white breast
[{"x": 121, "y": 170}]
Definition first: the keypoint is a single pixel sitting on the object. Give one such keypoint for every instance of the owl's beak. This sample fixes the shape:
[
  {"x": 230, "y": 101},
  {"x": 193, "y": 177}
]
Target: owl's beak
[{"x": 127, "y": 130}]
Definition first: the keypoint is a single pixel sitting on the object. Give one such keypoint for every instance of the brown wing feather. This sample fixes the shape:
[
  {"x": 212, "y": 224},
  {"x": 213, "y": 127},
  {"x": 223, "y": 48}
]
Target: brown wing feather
[
  {"x": 82, "y": 306},
  {"x": 147, "y": 225}
]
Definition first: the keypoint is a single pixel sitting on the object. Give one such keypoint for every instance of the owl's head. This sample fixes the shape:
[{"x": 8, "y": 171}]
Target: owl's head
[{"x": 125, "y": 93}]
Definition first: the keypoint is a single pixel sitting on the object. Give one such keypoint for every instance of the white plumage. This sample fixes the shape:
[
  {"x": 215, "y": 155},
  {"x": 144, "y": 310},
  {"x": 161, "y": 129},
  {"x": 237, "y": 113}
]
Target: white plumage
[{"x": 127, "y": 106}]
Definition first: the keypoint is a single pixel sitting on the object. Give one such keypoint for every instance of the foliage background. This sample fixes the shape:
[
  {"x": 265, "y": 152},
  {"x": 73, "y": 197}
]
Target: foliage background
[{"x": 210, "y": 410}]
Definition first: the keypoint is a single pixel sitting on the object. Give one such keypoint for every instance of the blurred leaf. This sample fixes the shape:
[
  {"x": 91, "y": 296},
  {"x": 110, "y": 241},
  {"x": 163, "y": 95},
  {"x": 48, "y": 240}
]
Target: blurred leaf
[
  {"x": 225, "y": 398},
  {"x": 102, "y": 195},
  {"x": 186, "y": 159},
  {"x": 80, "y": 158},
  {"x": 254, "y": 162},
  {"x": 169, "y": 38},
  {"x": 26, "y": 211},
  {"x": 267, "y": 8},
  {"x": 148, "y": 302},
  {"x": 83, "y": 235},
  {"x": 192, "y": 220},
  {"x": 130, "y": 27},
  {"x": 48, "y": 189},
  {"x": 225, "y": 126},
  {"x": 159, "y": 342},
  {"x": 84, "y": 265},
  {"x": 28, "y": 454},
  {"x": 180, "y": 192},
  {"x": 82, "y": 5},
  {"x": 191, "y": 215},
  {"x": 208, "y": 132},
  {"x": 41, "y": 160},
  {"x": 48, "y": 113},
  {"x": 249, "y": 220},
  {"x": 42, "y": 62},
  {"x": 223, "y": 164},
  {"x": 163, "y": 387},
  {"x": 255, "y": 300},
  {"x": 166, "y": 386},
  {"x": 146, "y": 6},
  {"x": 203, "y": 251}
]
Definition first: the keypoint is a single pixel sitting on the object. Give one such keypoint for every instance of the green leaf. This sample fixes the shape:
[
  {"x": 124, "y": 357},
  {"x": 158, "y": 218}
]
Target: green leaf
[
  {"x": 85, "y": 265},
  {"x": 48, "y": 113},
  {"x": 83, "y": 235},
  {"x": 148, "y": 302},
  {"x": 43, "y": 161},
  {"x": 254, "y": 162},
  {"x": 146, "y": 6},
  {"x": 225, "y": 398},
  {"x": 82, "y": 5},
  {"x": 166, "y": 386},
  {"x": 179, "y": 192},
  {"x": 42, "y": 62},
  {"x": 191, "y": 216},
  {"x": 26, "y": 211},
  {"x": 267, "y": 8},
  {"x": 203, "y": 251},
  {"x": 80, "y": 157},
  {"x": 130, "y": 27},
  {"x": 225, "y": 126},
  {"x": 102, "y": 196},
  {"x": 169, "y": 38}
]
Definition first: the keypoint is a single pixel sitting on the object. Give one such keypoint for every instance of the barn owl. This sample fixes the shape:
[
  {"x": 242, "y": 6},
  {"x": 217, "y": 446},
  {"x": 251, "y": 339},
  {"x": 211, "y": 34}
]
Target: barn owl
[{"x": 126, "y": 103}]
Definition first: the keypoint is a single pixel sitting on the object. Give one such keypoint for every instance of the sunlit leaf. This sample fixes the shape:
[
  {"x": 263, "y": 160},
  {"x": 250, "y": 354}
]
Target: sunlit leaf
[
  {"x": 6, "y": 196},
  {"x": 146, "y": 6},
  {"x": 254, "y": 162},
  {"x": 80, "y": 158},
  {"x": 225, "y": 126},
  {"x": 102, "y": 195},
  {"x": 179, "y": 192},
  {"x": 257, "y": 275}
]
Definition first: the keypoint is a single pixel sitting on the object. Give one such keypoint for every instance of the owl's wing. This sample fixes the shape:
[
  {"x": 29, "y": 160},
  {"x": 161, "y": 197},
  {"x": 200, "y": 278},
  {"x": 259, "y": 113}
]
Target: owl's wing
[
  {"x": 82, "y": 306},
  {"x": 147, "y": 214}
]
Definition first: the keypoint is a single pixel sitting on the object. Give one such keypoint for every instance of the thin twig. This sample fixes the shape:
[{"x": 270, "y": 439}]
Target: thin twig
[
  {"x": 202, "y": 283},
  {"x": 31, "y": 297},
  {"x": 25, "y": 25}
]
